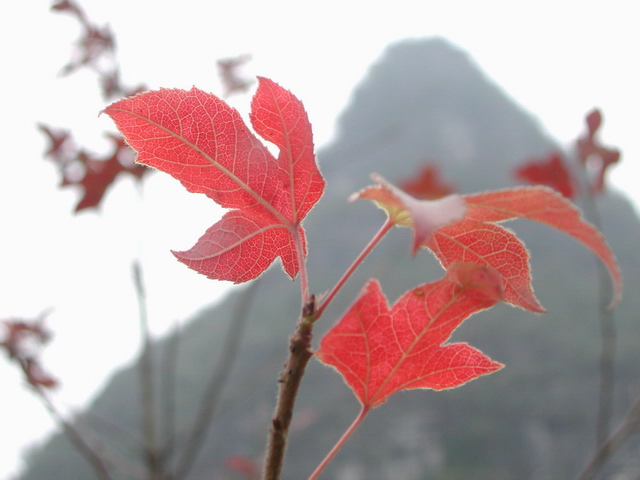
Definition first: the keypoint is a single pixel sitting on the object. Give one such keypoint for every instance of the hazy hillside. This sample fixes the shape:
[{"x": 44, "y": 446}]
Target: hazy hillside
[{"x": 535, "y": 419}]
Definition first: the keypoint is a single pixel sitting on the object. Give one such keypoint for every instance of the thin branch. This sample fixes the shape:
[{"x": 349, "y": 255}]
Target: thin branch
[
  {"x": 354, "y": 266},
  {"x": 145, "y": 368},
  {"x": 345, "y": 436},
  {"x": 607, "y": 321},
  {"x": 73, "y": 434},
  {"x": 289, "y": 379},
  {"x": 304, "y": 279},
  {"x": 168, "y": 369},
  {"x": 215, "y": 387},
  {"x": 628, "y": 424}
]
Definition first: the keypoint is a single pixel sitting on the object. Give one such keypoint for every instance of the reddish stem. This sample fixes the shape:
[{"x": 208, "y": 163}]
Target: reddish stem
[
  {"x": 352, "y": 268},
  {"x": 345, "y": 436},
  {"x": 302, "y": 264}
]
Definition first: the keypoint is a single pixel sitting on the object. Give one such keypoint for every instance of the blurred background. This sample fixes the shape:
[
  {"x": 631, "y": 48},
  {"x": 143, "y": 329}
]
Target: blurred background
[{"x": 472, "y": 87}]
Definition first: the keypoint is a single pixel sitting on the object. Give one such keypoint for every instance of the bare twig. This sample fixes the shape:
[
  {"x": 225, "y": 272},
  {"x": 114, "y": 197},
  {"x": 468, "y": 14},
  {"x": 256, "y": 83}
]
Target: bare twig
[
  {"x": 607, "y": 320},
  {"x": 152, "y": 455},
  {"x": 215, "y": 387},
  {"x": 168, "y": 372},
  {"x": 628, "y": 424},
  {"x": 300, "y": 353},
  {"x": 95, "y": 460}
]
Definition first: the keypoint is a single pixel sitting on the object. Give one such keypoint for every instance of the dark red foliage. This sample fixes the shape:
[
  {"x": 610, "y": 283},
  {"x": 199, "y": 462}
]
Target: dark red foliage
[
  {"x": 427, "y": 185},
  {"x": 20, "y": 338},
  {"x": 596, "y": 157},
  {"x": 551, "y": 171},
  {"x": 93, "y": 174}
]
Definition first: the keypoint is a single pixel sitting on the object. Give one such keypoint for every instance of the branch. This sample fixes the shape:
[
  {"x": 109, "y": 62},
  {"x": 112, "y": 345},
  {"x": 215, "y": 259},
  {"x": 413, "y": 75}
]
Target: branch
[
  {"x": 152, "y": 455},
  {"x": 168, "y": 372},
  {"x": 628, "y": 424},
  {"x": 352, "y": 428},
  {"x": 289, "y": 379},
  {"x": 95, "y": 460},
  {"x": 607, "y": 320},
  {"x": 215, "y": 387}
]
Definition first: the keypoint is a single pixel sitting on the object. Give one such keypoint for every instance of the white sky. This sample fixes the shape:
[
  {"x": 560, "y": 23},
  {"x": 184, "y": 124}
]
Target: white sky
[{"x": 557, "y": 59}]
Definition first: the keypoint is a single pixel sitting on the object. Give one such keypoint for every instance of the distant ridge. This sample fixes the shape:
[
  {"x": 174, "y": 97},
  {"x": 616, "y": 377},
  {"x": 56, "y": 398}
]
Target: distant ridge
[
  {"x": 426, "y": 99},
  {"x": 423, "y": 100}
]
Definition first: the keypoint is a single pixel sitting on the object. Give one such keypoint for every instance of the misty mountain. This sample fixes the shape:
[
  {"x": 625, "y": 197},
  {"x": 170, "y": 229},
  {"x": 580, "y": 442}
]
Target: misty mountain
[{"x": 424, "y": 101}]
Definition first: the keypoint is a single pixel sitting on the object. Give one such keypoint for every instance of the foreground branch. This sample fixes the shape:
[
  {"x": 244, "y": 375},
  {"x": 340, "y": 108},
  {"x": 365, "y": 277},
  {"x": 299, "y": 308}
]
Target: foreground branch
[{"x": 290, "y": 377}]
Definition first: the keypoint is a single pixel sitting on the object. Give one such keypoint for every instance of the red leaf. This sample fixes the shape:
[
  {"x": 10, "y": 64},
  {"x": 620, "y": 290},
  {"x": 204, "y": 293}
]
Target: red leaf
[
  {"x": 427, "y": 185},
  {"x": 203, "y": 142},
  {"x": 596, "y": 156},
  {"x": 21, "y": 341},
  {"x": 380, "y": 351},
  {"x": 424, "y": 216},
  {"x": 94, "y": 175},
  {"x": 36, "y": 376},
  {"x": 476, "y": 238},
  {"x": 593, "y": 121},
  {"x": 551, "y": 172},
  {"x": 545, "y": 206},
  {"x": 493, "y": 246}
]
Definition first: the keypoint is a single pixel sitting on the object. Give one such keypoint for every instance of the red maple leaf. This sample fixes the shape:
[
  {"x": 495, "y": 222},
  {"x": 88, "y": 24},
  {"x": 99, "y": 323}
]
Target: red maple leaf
[
  {"x": 21, "y": 340},
  {"x": 475, "y": 236},
  {"x": 94, "y": 175},
  {"x": 551, "y": 172},
  {"x": 593, "y": 154},
  {"x": 424, "y": 216},
  {"x": 203, "y": 142},
  {"x": 380, "y": 351},
  {"x": 427, "y": 185},
  {"x": 61, "y": 148}
]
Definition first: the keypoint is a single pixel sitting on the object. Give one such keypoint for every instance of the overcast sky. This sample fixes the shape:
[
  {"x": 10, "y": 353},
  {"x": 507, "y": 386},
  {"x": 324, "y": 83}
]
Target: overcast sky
[{"x": 557, "y": 59}]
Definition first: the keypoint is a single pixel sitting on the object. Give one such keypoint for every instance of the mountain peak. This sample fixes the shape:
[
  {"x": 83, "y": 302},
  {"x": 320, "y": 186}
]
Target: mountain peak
[{"x": 426, "y": 100}]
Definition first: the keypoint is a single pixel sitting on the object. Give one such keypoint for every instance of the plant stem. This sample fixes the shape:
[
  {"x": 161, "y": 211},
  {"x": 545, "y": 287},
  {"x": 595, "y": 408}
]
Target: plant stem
[
  {"x": 607, "y": 321},
  {"x": 289, "y": 379},
  {"x": 300, "y": 353},
  {"x": 353, "y": 267},
  {"x": 217, "y": 382},
  {"x": 625, "y": 428},
  {"x": 95, "y": 460},
  {"x": 345, "y": 436},
  {"x": 152, "y": 455},
  {"x": 304, "y": 280}
]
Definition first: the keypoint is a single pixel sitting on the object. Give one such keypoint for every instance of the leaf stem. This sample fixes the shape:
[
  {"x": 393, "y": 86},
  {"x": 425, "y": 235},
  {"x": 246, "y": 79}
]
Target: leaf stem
[
  {"x": 302, "y": 265},
  {"x": 353, "y": 267},
  {"x": 345, "y": 436}
]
